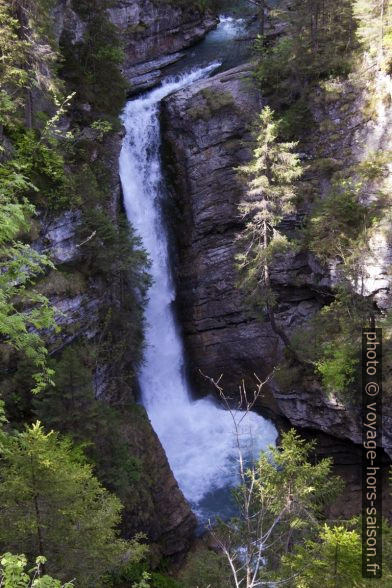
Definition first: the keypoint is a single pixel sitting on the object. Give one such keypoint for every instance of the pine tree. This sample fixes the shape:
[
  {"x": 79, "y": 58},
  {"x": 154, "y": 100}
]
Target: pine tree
[
  {"x": 53, "y": 506},
  {"x": 324, "y": 34},
  {"x": 70, "y": 407},
  {"x": 336, "y": 557},
  {"x": 374, "y": 18},
  {"x": 270, "y": 192},
  {"x": 317, "y": 42}
]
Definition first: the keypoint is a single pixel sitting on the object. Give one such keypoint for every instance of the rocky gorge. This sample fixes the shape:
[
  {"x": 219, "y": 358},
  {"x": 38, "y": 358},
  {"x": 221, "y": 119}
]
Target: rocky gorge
[
  {"x": 206, "y": 134},
  {"x": 154, "y": 35},
  {"x": 207, "y": 130}
]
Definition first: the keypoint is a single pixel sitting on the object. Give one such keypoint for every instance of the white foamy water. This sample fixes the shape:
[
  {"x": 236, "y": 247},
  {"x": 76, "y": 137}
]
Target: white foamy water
[
  {"x": 198, "y": 436},
  {"x": 229, "y": 27}
]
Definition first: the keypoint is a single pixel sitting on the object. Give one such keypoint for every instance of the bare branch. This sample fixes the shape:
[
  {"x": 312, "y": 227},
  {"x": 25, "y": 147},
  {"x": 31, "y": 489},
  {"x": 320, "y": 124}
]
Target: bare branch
[{"x": 88, "y": 239}]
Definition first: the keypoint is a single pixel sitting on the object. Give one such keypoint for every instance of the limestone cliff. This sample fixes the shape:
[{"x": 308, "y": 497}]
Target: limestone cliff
[
  {"x": 207, "y": 129},
  {"x": 206, "y": 133},
  {"x": 88, "y": 297},
  {"x": 154, "y": 35}
]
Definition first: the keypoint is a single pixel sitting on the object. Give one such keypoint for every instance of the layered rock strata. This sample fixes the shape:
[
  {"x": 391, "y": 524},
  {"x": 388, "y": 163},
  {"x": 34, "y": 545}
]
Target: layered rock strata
[{"x": 207, "y": 136}]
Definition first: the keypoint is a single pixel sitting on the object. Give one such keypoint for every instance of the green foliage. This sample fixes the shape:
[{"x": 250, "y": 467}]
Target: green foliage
[
  {"x": 296, "y": 119},
  {"x": 270, "y": 192},
  {"x": 56, "y": 170},
  {"x": 23, "y": 311},
  {"x": 341, "y": 222},
  {"x": 71, "y": 408},
  {"x": 14, "y": 51},
  {"x": 31, "y": 170},
  {"x": 317, "y": 43},
  {"x": 281, "y": 501},
  {"x": 205, "y": 568},
  {"x": 374, "y": 18},
  {"x": 338, "y": 366},
  {"x": 144, "y": 582},
  {"x": 39, "y": 156},
  {"x": 137, "y": 573},
  {"x": 159, "y": 580},
  {"x": 114, "y": 247},
  {"x": 338, "y": 222},
  {"x": 274, "y": 68},
  {"x": 51, "y": 502},
  {"x": 336, "y": 557},
  {"x": 27, "y": 55},
  {"x": 91, "y": 66},
  {"x": 113, "y": 251},
  {"x": 338, "y": 232},
  {"x": 13, "y": 573},
  {"x": 54, "y": 506},
  {"x": 102, "y": 127},
  {"x": 331, "y": 341},
  {"x": 291, "y": 485}
]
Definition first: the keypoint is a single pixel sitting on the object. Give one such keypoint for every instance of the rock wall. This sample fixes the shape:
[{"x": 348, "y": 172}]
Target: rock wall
[
  {"x": 153, "y": 504},
  {"x": 206, "y": 136},
  {"x": 207, "y": 128},
  {"x": 155, "y": 32}
]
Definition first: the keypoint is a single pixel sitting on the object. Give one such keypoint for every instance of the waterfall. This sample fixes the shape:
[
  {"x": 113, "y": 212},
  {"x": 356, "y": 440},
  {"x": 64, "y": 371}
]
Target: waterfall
[{"x": 198, "y": 436}]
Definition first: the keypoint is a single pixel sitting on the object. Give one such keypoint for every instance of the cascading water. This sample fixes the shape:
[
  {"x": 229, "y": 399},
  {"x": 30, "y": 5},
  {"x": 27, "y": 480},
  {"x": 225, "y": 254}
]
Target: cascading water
[{"x": 198, "y": 436}]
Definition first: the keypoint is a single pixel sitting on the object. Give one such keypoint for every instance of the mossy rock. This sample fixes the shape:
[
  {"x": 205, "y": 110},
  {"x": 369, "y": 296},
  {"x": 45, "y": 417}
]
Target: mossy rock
[
  {"x": 326, "y": 164},
  {"x": 327, "y": 125},
  {"x": 213, "y": 102},
  {"x": 137, "y": 29},
  {"x": 217, "y": 99},
  {"x": 345, "y": 107},
  {"x": 335, "y": 137},
  {"x": 287, "y": 377},
  {"x": 59, "y": 283},
  {"x": 199, "y": 112}
]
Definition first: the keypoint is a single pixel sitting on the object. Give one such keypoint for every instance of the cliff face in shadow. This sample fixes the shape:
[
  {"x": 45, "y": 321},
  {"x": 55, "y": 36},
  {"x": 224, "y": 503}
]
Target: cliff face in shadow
[
  {"x": 207, "y": 136},
  {"x": 207, "y": 133},
  {"x": 95, "y": 297},
  {"x": 155, "y": 34}
]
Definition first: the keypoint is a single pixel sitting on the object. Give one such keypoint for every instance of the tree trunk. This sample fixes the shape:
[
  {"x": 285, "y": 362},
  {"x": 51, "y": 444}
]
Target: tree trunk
[
  {"x": 23, "y": 28},
  {"x": 38, "y": 522},
  {"x": 382, "y": 29},
  {"x": 262, "y": 17}
]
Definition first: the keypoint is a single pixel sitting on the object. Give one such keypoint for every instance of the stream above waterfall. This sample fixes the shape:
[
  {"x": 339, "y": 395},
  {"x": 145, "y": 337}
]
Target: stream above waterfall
[{"x": 198, "y": 435}]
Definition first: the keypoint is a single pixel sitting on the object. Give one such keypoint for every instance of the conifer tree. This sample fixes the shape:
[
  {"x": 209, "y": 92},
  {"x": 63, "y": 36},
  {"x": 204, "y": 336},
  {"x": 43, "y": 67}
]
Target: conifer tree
[
  {"x": 53, "y": 506},
  {"x": 270, "y": 192},
  {"x": 280, "y": 503},
  {"x": 317, "y": 42},
  {"x": 374, "y": 18},
  {"x": 335, "y": 556},
  {"x": 71, "y": 408}
]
